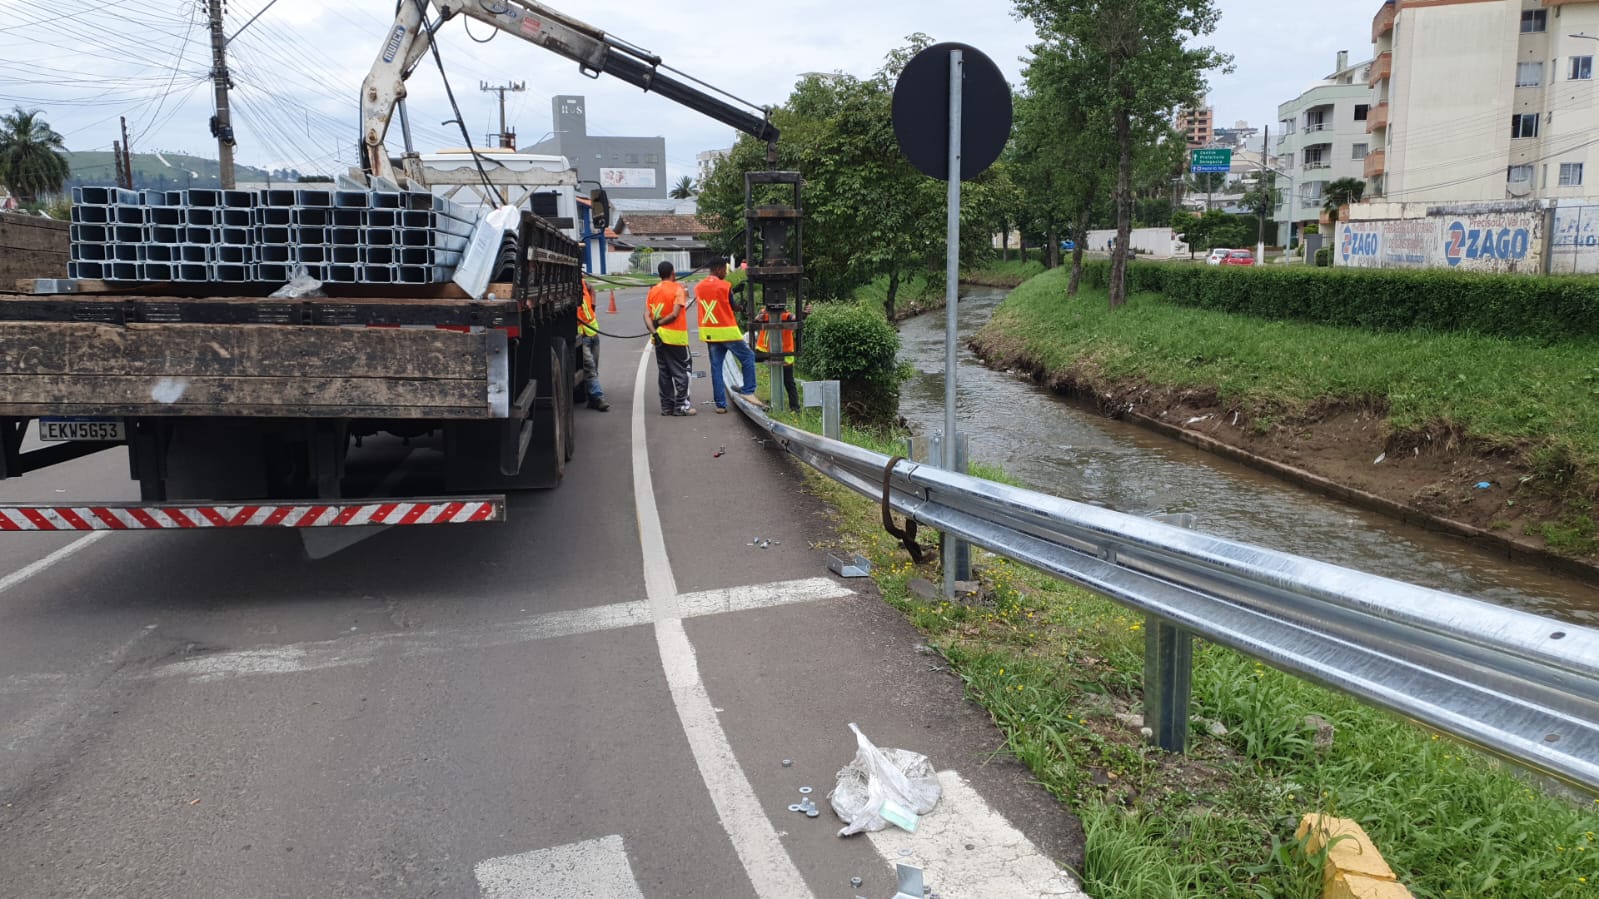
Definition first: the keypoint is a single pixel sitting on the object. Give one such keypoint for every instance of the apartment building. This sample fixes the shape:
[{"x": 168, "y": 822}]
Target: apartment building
[
  {"x": 1483, "y": 100},
  {"x": 1321, "y": 137},
  {"x": 1198, "y": 124}
]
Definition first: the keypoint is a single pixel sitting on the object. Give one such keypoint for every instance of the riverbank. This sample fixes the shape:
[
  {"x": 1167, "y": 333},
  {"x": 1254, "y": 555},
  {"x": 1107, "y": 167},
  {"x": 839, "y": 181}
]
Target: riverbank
[
  {"x": 1059, "y": 669},
  {"x": 1492, "y": 439}
]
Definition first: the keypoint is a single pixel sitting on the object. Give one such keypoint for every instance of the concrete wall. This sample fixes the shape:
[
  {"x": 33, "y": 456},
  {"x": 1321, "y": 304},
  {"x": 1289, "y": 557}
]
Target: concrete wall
[
  {"x": 1574, "y": 244},
  {"x": 1489, "y": 237},
  {"x": 1160, "y": 242},
  {"x": 31, "y": 247}
]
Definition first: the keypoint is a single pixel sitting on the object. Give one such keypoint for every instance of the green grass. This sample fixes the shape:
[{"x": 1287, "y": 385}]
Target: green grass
[
  {"x": 1003, "y": 274},
  {"x": 1053, "y": 664},
  {"x": 1521, "y": 395},
  {"x": 920, "y": 292}
]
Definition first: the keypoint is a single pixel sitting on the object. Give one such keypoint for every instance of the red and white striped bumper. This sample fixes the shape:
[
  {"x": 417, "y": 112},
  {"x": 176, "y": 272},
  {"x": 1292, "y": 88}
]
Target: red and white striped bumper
[{"x": 191, "y": 516}]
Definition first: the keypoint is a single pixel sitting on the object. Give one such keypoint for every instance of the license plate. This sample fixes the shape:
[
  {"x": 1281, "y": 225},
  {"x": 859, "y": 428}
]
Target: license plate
[{"x": 108, "y": 430}]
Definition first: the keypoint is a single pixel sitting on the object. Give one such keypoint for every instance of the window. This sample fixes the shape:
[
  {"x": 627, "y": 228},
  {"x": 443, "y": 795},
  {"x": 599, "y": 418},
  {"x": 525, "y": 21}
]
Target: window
[
  {"x": 1534, "y": 21},
  {"x": 1519, "y": 174},
  {"x": 1524, "y": 125},
  {"x": 1359, "y": 151},
  {"x": 1581, "y": 68},
  {"x": 1288, "y": 160},
  {"x": 1570, "y": 174},
  {"x": 1529, "y": 74},
  {"x": 1361, "y": 111}
]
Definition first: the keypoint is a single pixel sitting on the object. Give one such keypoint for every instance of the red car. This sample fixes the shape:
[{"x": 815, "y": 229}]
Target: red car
[{"x": 1238, "y": 257}]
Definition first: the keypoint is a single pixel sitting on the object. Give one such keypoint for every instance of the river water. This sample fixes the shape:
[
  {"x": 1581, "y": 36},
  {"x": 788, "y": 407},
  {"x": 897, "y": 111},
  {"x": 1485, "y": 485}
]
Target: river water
[{"x": 1053, "y": 446}]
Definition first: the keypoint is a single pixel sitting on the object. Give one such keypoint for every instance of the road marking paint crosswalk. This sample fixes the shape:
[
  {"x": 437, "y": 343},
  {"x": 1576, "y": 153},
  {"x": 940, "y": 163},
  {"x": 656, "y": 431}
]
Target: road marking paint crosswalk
[
  {"x": 969, "y": 851},
  {"x": 593, "y": 869},
  {"x": 364, "y": 649}
]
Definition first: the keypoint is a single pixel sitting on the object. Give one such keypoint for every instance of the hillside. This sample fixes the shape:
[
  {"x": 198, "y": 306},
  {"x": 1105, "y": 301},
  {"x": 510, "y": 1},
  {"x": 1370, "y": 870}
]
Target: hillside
[{"x": 165, "y": 172}]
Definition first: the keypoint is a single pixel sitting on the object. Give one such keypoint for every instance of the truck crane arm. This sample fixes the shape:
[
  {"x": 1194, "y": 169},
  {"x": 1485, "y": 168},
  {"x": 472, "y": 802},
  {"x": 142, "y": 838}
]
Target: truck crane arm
[{"x": 593, "y": 50}]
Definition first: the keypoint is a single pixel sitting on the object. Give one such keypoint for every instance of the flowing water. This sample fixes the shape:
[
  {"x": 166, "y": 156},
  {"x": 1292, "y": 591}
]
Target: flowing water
[{"x": 1054, "y": 446}]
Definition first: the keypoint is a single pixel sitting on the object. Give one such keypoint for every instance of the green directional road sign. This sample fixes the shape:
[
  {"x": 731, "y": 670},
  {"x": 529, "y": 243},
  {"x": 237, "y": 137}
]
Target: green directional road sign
[{"x": 1201, "y": 162}]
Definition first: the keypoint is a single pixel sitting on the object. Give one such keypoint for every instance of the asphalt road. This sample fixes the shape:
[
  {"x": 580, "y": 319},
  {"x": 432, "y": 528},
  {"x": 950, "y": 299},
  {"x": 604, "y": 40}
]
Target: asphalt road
[{"x": 594, "y": 698}]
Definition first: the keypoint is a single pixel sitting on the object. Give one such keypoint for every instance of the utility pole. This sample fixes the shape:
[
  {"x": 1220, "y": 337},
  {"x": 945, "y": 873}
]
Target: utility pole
[
  {"x": 507, "y": 139},
  {"x": 222, "y": 122},
  {"x": 1266, "y": 203},
  {"x": 127, "y": 155}
]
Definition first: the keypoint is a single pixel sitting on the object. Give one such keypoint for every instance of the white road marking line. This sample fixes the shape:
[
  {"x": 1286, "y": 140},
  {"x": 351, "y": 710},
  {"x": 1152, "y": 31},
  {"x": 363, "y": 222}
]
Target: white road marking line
[
  {"x": 767, "y": 863},
  {"x": 361, "y": 650},
  {"x": 1001, "y": 863},
  {"x": 33, "y": 568},
  {"x": 594, "y": 868}
]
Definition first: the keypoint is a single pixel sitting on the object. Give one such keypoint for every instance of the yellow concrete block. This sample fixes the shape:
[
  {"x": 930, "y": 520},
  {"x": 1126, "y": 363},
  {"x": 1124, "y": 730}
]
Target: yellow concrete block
[
  {"x": 1354, "y": 868},
  {"x": 1354, "y": 886}
]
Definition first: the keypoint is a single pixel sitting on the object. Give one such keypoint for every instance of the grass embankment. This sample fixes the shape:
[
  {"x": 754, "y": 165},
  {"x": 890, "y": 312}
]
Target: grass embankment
[
  {"x": 1003, "y": 274},
  {"x": 1533, "y": 402},
  {"x": 916, "y": 295},
  {"x": 1054, "y": 665}
]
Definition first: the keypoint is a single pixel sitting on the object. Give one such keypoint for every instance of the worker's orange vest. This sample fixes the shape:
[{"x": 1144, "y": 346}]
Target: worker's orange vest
[
  {"x": 763, "y": 340},
  {"x": 717, "y": 324},
  {"x": 663, "y": 298},
  {"x": 585, "y": 314}
]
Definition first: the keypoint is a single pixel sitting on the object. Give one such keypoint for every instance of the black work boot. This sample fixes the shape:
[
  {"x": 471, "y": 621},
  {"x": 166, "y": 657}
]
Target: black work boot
[{"x": 599, "y": 404}]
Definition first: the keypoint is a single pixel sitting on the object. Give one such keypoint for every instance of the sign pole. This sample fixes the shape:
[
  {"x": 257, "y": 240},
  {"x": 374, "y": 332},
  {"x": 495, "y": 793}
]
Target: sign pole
[{"x": 957, "y": 70}]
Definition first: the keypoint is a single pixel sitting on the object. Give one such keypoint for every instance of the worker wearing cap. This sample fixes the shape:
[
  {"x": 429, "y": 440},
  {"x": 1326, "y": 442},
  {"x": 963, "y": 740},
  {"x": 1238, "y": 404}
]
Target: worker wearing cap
[
  {"x": 763, "y": 343},
  {"x": 720, "y": 331},
  {"x": 666, "y": 312},
  {"x": 588, "y": 348}
]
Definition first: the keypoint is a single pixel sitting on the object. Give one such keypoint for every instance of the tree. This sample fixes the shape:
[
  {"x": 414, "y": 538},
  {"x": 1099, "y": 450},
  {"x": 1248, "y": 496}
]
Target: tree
[
  {"x": 1340, "y": 193},
  {"x": 868, "y": 212},
  {"x": 683, "y": 189},
  {"x": 1261, "y": 199},
  {"x": 32, "y": 155},
  {"x": 1139, "y": 66}
]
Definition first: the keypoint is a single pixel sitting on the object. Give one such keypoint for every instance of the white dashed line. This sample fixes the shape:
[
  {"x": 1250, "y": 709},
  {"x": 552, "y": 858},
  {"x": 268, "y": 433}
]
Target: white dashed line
[{"x": 595, "y": 869}]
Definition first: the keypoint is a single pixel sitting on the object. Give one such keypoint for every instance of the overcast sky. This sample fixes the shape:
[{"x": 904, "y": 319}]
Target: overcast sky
[{"x": 298, "y": 69}]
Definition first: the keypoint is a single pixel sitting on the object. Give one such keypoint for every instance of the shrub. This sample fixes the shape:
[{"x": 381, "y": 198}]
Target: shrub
[
  {"x": 1324, "y": 257},
  {"x": 1547, "y": 308},
  {"x": 857, "y": 347}
]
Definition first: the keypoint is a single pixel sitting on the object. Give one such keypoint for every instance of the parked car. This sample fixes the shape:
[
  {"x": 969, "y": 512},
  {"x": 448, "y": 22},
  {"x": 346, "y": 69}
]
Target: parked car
[
  {"x": 1068, "y": 245},
  {"x": 1239, "y": 257},
  {"x": 1217, "y": 255}
]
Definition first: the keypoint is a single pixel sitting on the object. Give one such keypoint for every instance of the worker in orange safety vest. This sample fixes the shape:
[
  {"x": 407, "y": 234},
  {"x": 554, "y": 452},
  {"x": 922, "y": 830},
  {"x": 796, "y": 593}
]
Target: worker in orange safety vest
[
  {"x": 588, "y": 348},
  {"x": 666, "y": 313},
  {"x": 763, "y": 344},
  {"x": 721, "y": 333}
]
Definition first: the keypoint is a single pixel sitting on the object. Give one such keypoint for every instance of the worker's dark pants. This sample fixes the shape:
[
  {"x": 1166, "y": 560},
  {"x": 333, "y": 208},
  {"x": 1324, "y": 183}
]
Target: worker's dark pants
[
  {"x": 672, "y": 375},
  {"x": 790, "y": 387}
]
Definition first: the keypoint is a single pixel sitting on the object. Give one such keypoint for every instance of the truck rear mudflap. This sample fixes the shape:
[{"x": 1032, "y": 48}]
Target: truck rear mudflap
[{"x": 212, "y": 516}]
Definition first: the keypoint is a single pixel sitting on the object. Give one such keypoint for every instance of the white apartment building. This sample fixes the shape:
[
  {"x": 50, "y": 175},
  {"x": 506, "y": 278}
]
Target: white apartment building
[
  {"x": 1483, "y": 100},
  {"x": 1322, "y": 137}
]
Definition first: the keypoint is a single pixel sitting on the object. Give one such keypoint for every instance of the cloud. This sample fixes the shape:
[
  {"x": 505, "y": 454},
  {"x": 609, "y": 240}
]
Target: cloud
[{"x": 298, "y": 69}]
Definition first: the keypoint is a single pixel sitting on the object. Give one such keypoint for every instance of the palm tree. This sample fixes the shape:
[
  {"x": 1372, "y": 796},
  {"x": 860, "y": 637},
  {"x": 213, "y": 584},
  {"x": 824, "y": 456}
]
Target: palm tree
[
  {"x": 1341, "y": 193},
  {"x": 32, "y": 155},
  {"x": 683, "y": 189}
]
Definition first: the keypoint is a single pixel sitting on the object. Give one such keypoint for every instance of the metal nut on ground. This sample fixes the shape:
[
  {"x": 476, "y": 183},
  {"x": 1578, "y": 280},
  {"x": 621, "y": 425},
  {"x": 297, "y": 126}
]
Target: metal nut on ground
[{"x": 855, "y": 881}]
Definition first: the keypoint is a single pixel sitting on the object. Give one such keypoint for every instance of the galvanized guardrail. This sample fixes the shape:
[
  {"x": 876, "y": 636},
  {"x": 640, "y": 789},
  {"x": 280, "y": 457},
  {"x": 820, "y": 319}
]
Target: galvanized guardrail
[{"x": 1520, "y": 686}]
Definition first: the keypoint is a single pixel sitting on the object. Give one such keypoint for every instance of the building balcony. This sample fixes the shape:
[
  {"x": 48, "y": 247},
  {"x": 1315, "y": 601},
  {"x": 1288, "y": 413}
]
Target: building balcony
[
  {"x": 1377, "y": 117},
  {"x": 1316, "y": 165},
  {"x": 1381, "y": 69},
  {"x": 1376, "y": 164},
  {"x": 1383, "y": 22}
]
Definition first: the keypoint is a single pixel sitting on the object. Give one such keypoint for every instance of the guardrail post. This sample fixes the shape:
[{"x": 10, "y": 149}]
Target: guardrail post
[
  {"x": 1168, "y": 667},
  {"x": 826, "y": 395}
]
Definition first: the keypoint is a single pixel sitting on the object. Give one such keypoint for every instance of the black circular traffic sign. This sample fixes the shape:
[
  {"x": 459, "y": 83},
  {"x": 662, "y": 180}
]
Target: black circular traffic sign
[{"x": 921, "y": 111}]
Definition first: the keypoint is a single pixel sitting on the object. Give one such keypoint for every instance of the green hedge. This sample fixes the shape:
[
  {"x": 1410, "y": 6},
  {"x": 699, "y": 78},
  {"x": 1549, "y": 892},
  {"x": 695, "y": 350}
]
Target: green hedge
[
  {"x": 1550, "y": 308},
  {"x": 858, "y": 348}
]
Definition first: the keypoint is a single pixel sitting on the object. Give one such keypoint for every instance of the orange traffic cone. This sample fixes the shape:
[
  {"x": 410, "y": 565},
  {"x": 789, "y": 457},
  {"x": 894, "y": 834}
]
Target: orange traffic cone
[{"x": 612, "y": 310}]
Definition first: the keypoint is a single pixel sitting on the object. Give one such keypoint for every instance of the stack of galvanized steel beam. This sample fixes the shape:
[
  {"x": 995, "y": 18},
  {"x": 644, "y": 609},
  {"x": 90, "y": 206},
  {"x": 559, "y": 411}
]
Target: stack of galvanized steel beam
[{"x": 264, "y": 236}]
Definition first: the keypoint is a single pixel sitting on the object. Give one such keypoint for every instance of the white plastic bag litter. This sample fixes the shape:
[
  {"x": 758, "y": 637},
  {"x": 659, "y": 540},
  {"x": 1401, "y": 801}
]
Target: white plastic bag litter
[
  {"x": 902, "y": 779},
  {"x": 301, "y": 285}
]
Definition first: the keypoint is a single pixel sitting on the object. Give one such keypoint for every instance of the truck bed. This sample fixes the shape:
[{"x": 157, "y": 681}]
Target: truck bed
[{"x": 344, "y": 357}]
